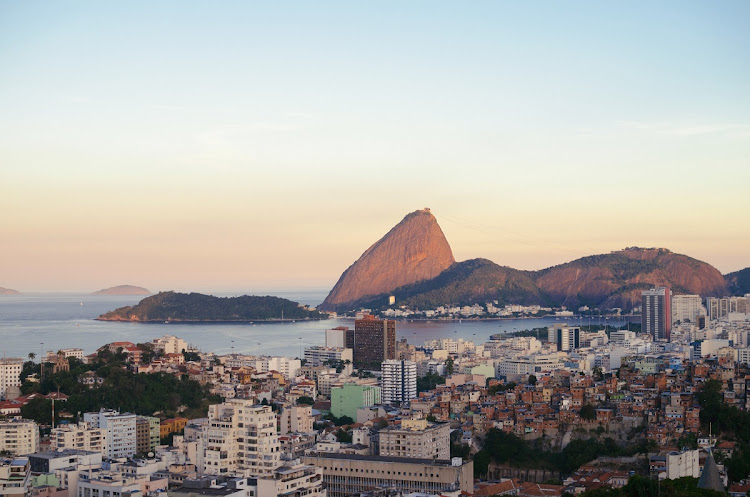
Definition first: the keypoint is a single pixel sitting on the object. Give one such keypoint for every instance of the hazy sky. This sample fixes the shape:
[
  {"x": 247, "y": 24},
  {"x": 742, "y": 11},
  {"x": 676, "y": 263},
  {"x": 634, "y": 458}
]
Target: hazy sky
[{"x": 261, "y": 145}]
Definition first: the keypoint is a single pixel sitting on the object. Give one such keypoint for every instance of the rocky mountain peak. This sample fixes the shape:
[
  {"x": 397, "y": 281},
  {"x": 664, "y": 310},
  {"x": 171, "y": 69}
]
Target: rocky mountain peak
[{"x": 414, "y": 250}]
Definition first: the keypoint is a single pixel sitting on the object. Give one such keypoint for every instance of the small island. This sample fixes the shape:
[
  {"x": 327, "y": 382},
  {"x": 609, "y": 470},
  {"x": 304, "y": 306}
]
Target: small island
[
  {"x": 8, "y": 291},
  {"x": 200, "y": 308},
  {"x": 123, "y": 290}
]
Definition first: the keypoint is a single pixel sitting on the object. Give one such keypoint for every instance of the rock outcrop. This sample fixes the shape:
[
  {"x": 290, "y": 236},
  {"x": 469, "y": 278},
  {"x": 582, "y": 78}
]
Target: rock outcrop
[
  {"x": 123, "y": 290},
  {"x": 414, "y": 250}
]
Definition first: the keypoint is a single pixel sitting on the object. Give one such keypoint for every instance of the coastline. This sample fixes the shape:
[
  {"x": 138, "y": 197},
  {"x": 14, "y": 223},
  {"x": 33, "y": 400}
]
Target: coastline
[{"x": 212, "y": 321}]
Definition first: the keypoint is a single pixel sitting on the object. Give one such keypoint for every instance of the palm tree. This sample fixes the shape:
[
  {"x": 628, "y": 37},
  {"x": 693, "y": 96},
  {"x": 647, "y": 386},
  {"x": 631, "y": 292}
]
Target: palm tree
[{"x": 32, "y": 356}]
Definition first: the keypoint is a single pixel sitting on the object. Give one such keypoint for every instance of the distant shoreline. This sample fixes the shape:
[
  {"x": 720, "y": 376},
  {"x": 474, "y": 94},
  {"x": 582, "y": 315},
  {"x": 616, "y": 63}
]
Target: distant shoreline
[
  {"x": 213, "y": 321},
  {"x": 621, "y": 317}
]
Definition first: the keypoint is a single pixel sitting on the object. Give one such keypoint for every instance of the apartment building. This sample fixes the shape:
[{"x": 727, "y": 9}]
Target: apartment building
[
  {"x": 687, "y": 308},
  {"x": 15, "y": 477},
  {"x": 417, "y": 439},
  {"x": 10, "y": 375},
  {"x": 321, "y": 356},
  {"x": 147, "y": 434},
  {"x": 296, "y": 419},
  {"x": 241, "y": 439},
  {"x": 120, "y": 429},
  {"x": 81, "y": 436},
  {"x": 19, "y": 437},
  {"x": 399, "y": 381}
]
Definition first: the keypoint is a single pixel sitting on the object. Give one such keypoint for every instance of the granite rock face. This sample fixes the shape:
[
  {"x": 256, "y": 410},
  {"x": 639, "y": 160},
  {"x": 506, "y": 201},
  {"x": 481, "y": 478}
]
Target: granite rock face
[{"x": 414, "y": 250}]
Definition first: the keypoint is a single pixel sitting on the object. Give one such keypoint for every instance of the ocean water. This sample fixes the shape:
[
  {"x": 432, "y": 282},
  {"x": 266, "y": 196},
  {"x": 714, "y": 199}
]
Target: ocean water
[{"x": 47, "y": 322}]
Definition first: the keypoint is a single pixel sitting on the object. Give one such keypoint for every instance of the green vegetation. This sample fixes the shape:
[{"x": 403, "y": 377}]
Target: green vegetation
[
  {"x": 641, "y": 486},
  {"x": 173, "y": 306},
  {"x": 343, "y": 436},
  {"x": 457, "y": 448},
  {"x": 429, "y": 382},
  {"x": 507, "y": 448},
  {"x": 306, "y": 401},
  {"x": 500, "y": 388},
  {"x": 342, "y": 421},
  {"x": 739, "y": 281},
  {"x": 121, "y": 389},
  {"x": 732, "y": 423},
  {"x": 466, "y": 283},
  {"x": 588, "y": 412}
]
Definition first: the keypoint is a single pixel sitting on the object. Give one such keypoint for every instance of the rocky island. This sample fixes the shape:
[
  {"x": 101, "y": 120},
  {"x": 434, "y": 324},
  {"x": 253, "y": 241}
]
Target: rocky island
[
  {"x": 8, "y": 291},
  {"x": 123, "y": 290},
  {"x": 200, "y": 308}
]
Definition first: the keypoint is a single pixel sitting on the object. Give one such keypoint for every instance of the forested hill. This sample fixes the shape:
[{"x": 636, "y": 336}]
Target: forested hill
[{"x": 196, "y": 307}]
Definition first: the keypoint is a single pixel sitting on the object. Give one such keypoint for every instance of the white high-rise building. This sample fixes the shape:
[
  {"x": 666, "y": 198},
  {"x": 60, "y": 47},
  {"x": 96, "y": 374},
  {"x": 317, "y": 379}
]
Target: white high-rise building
[
  {"x": 687, "y": 308},
  {"x": 19, "y": 437},
  {"x": 399, "y": 381},
  {"x": 120, "y": 429},
  {"x": 10, "y": 374},
  {"x": 241, "y": 439}
]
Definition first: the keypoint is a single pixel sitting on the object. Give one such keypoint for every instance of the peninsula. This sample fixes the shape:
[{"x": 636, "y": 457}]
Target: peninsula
[
  {"x": 8, "y": 291},
  {"x": 200, "y": 308}
]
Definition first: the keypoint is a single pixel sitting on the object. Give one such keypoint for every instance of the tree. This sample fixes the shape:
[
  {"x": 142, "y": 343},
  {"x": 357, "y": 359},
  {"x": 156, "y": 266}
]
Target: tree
[
  {"x": 588, "y": 412},
  {"x": 429, "y": 382},
  {"x": 532, "y": 379},
  {"x": 32, "y": 356},
  {"x": 449, "y": 366},
  {"x": 343, "y": 436},
  {"x": 598, "y": 375},
  {"x": 305, "y": 400}
]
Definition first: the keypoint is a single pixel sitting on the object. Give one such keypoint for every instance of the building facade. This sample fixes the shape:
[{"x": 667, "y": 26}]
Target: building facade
[
  {"x": 686, "y": 308},
  {"x": 81, "y": 436},
  {"x": 349, "y": 474},
  {"x": 399, "y": 381},
  {"x": 241, "y": 438},
  {"x": 10, "y": 375},
  {"x": 345, "y": 400},
  {"x": 19, "y": 437},
  {"x": 120, "y": 429},
  {"x": 416, "y": 439},
  {"x": 566, "y": 337},
  {"x": 656, "y": 313},
  {"x": 374, "y": 341}
]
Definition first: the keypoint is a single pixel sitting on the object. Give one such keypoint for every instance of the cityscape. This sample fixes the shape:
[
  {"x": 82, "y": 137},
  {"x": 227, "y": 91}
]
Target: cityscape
[{"x": 374, "y": 249}]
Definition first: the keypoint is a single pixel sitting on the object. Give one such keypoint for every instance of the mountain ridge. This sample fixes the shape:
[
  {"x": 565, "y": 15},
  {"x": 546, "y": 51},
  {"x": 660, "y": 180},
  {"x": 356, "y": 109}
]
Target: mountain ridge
[{"x": 607, "y": 281}]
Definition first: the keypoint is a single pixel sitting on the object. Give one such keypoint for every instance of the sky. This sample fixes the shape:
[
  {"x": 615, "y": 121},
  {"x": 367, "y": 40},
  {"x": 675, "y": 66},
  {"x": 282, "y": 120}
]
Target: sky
[{"x": 245, "y": 146}]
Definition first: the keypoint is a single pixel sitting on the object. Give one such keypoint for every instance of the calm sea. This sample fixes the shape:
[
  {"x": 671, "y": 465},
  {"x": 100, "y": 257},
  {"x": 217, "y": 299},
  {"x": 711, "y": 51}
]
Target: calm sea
[{"x": 44, "y": 322}]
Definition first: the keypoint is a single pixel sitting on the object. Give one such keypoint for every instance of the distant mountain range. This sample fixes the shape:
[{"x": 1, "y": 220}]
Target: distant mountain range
[
  {"x": 604, "y": 281},
  {"x": 8, "y": 291},
  {"x": 123, "y": 290},
  {"x": 196, "y": 307}
]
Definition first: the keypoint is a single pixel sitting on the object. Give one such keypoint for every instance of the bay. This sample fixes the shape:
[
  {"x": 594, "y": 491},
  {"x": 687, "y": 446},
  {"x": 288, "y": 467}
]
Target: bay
[{"x": 48, "y": 322}]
